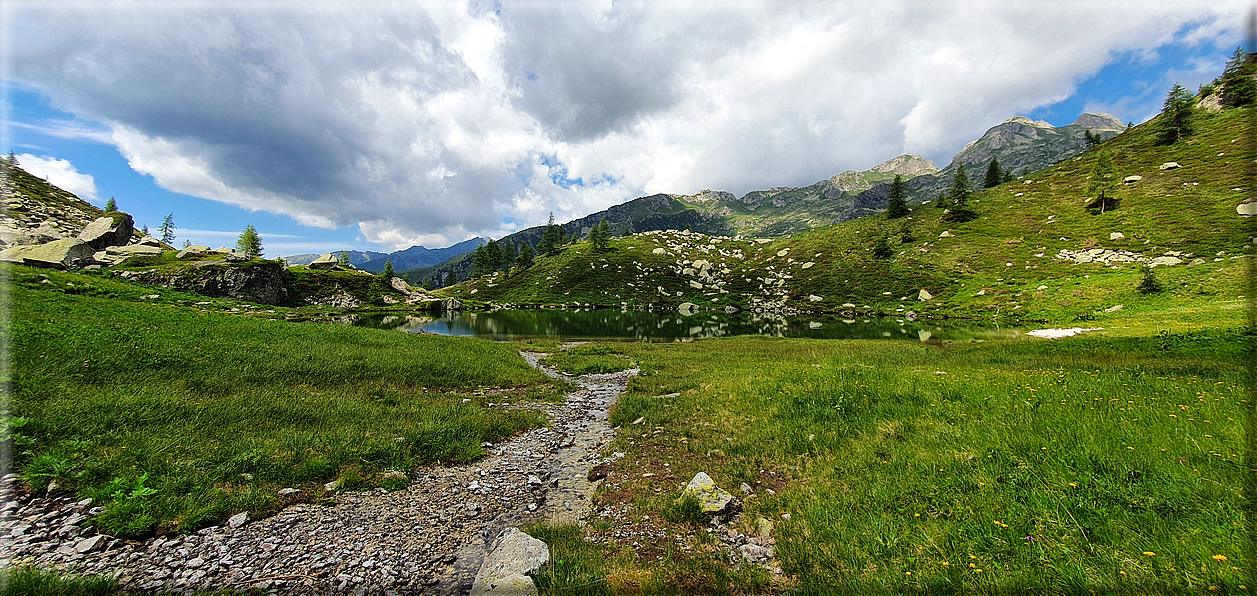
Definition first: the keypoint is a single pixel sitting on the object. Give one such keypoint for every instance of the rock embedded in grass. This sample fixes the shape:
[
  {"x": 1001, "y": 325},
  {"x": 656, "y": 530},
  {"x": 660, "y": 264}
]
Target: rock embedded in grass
[{"x": 712, "y": 499}]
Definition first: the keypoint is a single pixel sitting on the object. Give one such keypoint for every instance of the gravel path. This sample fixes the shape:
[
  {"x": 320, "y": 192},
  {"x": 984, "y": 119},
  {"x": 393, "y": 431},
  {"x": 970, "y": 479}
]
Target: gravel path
[{"x": 428, "y": 538}]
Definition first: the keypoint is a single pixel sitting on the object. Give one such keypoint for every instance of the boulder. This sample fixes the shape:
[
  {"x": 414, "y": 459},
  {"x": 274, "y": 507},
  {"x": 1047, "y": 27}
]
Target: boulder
[
  {"x": 945, "y": 234},
  {"x": 1170, "y": 165},
  {"x": 1247, "y": 209},
  {"x": 1164, "y": 261},
  {"x": 149, "y": 241},
  {"x": 659, "y": 251},
  {"x": 132, "y": 250},
  {"x": 1117, "y": 236},
  {"x": 712, "y": 499},
  {"x": 399, "y": 284},
  {"x": 58, "y": 254},
  {"x": 325, "y": 262},
  {"x": 731, "y": 309},
  {"x": 814, "y": 298},
  {"x": 687, "y": 308},
  {"x": 450, "y": 304},
  {"x": 1131, "y": 179},
  {"x": 923, "y": 295},
  {"x": 512, "y": 558},
  {"x": 44, "y": 234},
  {"x": 108, "y": 231}
]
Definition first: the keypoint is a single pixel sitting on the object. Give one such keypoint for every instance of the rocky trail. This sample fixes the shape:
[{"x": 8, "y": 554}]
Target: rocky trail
[{"x": 429, "y": 538}]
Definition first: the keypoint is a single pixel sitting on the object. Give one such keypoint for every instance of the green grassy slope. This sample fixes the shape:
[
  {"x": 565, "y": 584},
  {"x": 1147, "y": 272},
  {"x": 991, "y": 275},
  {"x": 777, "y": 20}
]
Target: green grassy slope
[
  {"x": 1010, "y": 251},
  {"x": 173, "y": 418}
]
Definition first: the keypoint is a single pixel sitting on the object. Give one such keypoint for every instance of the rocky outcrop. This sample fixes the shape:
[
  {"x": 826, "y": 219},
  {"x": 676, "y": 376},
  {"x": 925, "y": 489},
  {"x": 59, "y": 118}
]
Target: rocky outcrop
[
  {"x": 112, "y": 230},
  {"x": 326, "y": 262},
  {"x": 58, "y": 254},
  {"x": 262, "y": 283}
]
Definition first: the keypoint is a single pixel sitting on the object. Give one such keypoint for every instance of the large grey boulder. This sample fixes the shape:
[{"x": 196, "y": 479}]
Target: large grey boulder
[
  {"x": 325, "y": 262},
  {"x": 506, "y": 568},
  {"x": 451, "y": 304},
  {"x": 399, "y": 284},
  {"x": 687, "y": 308},
  {"x": 108, "y": 231},
  {"x": 58, "y": 254}
]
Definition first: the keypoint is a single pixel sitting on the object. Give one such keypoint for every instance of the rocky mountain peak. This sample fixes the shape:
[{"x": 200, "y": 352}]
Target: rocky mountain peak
[
  {"x": 1099, "y": 121},
  {"x": 908, "y": 165},
  {"x": 1026, "y": 121}
]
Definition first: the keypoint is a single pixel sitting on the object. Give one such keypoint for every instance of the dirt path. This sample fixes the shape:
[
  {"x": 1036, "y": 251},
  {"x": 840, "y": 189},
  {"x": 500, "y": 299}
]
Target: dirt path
[{"x": 428, "y": 538}]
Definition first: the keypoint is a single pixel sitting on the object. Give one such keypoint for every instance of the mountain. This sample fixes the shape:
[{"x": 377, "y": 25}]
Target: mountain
[
  {"x": 1020, "y": 144},
  {"x": 1034, "y": 252},
  {"x": 411, "y": 258},
  {"x": 356, "y": 257}
]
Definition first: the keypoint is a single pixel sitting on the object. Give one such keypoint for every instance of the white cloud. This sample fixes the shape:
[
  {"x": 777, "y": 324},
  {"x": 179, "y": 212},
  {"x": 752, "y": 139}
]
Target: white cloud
[
  {"x": 428, "y": 124},
  {"x": 60, "y": 173}
]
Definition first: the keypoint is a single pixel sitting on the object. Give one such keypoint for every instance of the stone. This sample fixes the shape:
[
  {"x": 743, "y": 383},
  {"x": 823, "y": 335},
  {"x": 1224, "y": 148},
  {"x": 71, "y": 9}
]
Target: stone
[
  {"x": 1131, "y": 179},
  {"x": 814, "y": 298},
  {"x": 238, "y": 520},
  {"x": 1041, "y": 288},
  {"x": 149, "y": 241},
  {"x": 1247, "y": 209},
  {"x": 283, "y": 492},
  {"x": 505, "y": 569},
  {"x": 1117, "y": 236},
  {"x": 945, "y": 234},
  {"x": 731, "y": 309},
  {"x": 132, "y": 250},
  {"x": 326, "y": 261},
  {"x": 87, "y": 545},
  {"x": 687, "y": 308},
  {"x": 711, "y": 498},
  {"x": 1115, "y": 308},
  {"x": 659, "y": 251},
  {"x": 58, "y": 254},
  {"x": 1170, "y": 165},
  {"x": 399, "y": 284},
  {"x": 924, "y": 295},
  {"x": 910, "y": 315},
  {"x": 451, "y": 304},
  {"x": 808, "y": 265},
  {"x": 981, "y": 292},
  {"x": 108, "y": 231}
]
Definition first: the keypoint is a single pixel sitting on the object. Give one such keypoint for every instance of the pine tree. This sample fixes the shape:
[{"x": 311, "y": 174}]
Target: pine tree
[
  {"x": 187, "y": 243},
  {"x": 509, "y": 254},
  {"x": 249, "y": 243},
  {"x": 144, "y": 230},
  {"x": 12, "y": 159},
  {"x": 1176, "y": 116},
  {"x": 494, "y": 255},
  {"x": 480, "y": 263},
  {"x": 1149, "y": 284},
  {"x": 600, "y": 236},
  {"x": 993, "y": 177},
  {"x": 882, "y": 249},
  {"x": 343, "y": 257},
  {"x": 525, "y": 258},
  {"x": 167, "y": 229},
  {"x": 958, "y": 196},
  {"x": 1103, "y": 181},
  {"x": 552, "y": 239},
  {"x": 111, "y": 205},
  {"x": 897, "y": 206},
  {"x": 1008, "y": 175},
  {"x": 388, "y": 273}
]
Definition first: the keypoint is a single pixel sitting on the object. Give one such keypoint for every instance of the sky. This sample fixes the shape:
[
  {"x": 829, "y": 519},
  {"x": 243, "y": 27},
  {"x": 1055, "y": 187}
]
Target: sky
[{"x": 379, "y": 125}]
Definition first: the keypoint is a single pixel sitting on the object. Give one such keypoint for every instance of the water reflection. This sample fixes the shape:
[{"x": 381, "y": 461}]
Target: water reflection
[{"x": 675, "y": 326}]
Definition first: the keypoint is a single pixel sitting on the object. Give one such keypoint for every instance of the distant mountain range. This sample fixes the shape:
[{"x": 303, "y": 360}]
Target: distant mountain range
[
  {"x": 415, "y": 257},
  {"x": 1020, "y": 144}
]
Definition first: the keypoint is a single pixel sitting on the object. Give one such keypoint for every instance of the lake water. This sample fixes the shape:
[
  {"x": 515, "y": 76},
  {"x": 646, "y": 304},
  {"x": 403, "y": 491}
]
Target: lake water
[{"x": 611, "y": 324}]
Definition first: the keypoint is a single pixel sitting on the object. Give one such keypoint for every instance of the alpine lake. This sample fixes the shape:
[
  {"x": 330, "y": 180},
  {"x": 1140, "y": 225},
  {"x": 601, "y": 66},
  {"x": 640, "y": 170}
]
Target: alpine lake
[{"x": 676, "y": 326}]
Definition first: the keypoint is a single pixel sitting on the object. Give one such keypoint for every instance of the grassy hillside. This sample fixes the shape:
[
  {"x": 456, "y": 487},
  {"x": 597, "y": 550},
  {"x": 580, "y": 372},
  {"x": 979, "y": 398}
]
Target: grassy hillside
[
  {"x": 174, "y": 417},
  {"x": 1008, "y": 254}
]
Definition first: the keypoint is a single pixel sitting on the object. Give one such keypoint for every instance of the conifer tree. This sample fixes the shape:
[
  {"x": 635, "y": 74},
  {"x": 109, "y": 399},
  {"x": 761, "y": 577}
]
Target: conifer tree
[
  {"x": 525, "y": 258},
  {"x": 493, "y": 252},
  {"x": 480, "y": 263},
  {"x": 1103, "y": 181},
  {"x": 958, "y": 196},
  {"x": 882, "y": 249},
  {"x": 111, "y": 205},
  {"x": 552, "y": 239},
  {"x": 1176, "y": 115},
  {"x": 249, "y": 243},
  {"x": 168, "y": 228},
  {"x": 388, "y": 273},
  {"x": 509, "y": 254},
  {"x": 993, "y": 177},
  {"x": 897, "y": 206}
]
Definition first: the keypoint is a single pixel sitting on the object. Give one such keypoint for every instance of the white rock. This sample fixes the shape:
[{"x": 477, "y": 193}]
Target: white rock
[
  {"x": 1247, "y": 209},
  {"x": 1131, "y": 179},
  {"x": 238, "y": 520},
  {"x": 923, "y": 295},
  {"x": 1170, "y": 165},
  {"x": 815, "y": 298},
  {"x": 505, "y": 569},
  {"x": 1116, "y": 236},
  {"x": 945, "y": 234}
]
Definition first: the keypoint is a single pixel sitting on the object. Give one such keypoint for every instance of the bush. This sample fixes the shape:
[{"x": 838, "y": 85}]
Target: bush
[{"x": 1149, "y": 283}]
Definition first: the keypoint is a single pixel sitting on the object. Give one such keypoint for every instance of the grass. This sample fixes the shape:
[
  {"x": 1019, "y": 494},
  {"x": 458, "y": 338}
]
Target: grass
[
  {"x": 26, "y": 581},
  {"x": 980, "y": 468},
  {"x": 587, "y": 359},
  {"x": 174, "y": 418}
]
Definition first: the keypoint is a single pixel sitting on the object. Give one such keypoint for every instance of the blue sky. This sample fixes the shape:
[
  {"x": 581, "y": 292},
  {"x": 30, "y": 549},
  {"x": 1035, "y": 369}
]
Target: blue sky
[{"x": 325, "y": 131}]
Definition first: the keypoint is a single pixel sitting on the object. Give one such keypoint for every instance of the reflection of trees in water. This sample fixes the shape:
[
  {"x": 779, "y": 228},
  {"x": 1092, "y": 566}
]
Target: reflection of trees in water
[{"x": 672, "y": 325}]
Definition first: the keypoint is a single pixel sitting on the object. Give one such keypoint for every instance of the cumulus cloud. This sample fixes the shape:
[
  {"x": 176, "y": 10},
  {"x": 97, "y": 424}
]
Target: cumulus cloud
[
  {"x": 60, "y": 173},
  {"x": 432, "y": 122}
]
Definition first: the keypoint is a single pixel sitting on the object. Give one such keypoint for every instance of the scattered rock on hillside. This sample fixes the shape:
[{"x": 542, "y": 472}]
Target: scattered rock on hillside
[
  {"x": 711, "y": 498},
  {"x": 325, "y": 262},
  {"x": 1247, "y": 209},
  {"x": 451, "y": 304},
  {"x": 108, "y": 231},
  {"x": 506, "y": 568},
  {"x": 1170, "y": 165},
  {"x": 1131, "y": 179},
  {"x": 1116, "y": 236},
  {"x": 924, "y": 295},
  {"x": 687, "y": 308}
]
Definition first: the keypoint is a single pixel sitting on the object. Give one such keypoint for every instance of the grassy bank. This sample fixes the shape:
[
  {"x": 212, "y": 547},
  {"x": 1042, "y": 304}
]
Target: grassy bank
[
  {"x": 1101, "y": 463},
  {"x": 173, "y": 418}
]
